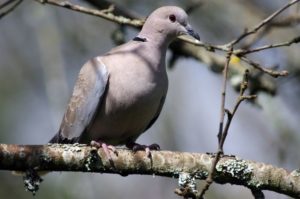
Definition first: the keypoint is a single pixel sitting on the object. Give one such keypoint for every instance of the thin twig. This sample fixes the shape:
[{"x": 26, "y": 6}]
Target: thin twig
[
  {"x": 224, "y": 132},
  {"x": 100, "y": 13},
  {"x": 262, "y": 23},
  {"x": 240, "y": 99},
  {"x": 211, "y": 174},
  {"x": 273, "y": 73},
  {"x": 11, "y": 8},
  {"x": 255, "y": 38},
  {"x": 223, "y": 96},
  {"x": 6, "y": 3},
  {"x": 119, "y": 10},
  {"x": 240, "y": 53},
  {"x": 207, "y": 46},
  {"x": 288, "y": 21}
]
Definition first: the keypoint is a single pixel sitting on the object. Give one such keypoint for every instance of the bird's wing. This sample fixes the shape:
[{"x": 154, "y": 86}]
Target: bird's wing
[{"x": 87, "y": 95}]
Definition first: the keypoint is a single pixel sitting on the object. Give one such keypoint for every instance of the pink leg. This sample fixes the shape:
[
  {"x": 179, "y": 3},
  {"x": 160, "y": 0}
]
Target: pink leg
[{"x": 106, "y": 148}]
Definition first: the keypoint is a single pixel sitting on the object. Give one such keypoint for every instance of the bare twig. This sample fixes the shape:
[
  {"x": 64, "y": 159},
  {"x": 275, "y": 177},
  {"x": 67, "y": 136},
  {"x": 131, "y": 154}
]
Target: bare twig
[
  {"x": 240, "y": 99},
  {"x": 255, "y": 38},
  {"x": 223, "y": 98},
  {"x": 215, "y": 62},
  {"x": 262, "y": 23},
  {"x": 241, "y": 52},
  {"x": 265, "y": 70},
  {"x": 119, "y": 10},
  {"x": 207, "y": 46},
  {"x": 6, "y": 3},
  {"x": 220, "y": 151},
  {"x": 222, "y": 135},
  {"x": 14, "y": 6},
  {"x": 287, "y": 21},
  {"x": 106, "y": 14}
]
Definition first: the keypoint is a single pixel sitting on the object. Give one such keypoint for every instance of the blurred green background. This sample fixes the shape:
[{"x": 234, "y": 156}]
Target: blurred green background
[{"x": 42, "y": 48}]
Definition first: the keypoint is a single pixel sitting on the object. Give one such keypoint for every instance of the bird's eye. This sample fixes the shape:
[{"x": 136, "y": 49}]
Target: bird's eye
[{"x": 172, "y": 18}]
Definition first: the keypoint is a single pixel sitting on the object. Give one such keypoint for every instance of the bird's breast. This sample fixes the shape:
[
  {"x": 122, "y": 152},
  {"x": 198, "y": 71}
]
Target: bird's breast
[
  {"x": 131, "y": 101},
  {"x": 137, "y": 88}
]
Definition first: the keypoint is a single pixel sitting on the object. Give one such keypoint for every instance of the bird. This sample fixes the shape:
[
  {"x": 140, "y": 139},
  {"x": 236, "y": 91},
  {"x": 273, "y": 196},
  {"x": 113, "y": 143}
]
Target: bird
[{"x": 120, "y": 94}]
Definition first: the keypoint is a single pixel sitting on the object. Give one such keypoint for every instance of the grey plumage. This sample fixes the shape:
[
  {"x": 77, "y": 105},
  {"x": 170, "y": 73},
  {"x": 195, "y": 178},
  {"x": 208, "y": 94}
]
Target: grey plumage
[{"x": 120, "y": 94}]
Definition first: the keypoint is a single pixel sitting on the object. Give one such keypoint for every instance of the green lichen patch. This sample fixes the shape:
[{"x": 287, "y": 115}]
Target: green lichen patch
[
  {"x": 254, "y": 183},
  {"x": 235, "y": 168},
  {"x": 32, "y": 181},
  {"x": 187, "y": 180},
  {"x": 296, "y": 173}
]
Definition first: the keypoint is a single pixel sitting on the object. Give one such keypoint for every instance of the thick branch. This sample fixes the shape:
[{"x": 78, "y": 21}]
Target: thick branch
[{"x": 164, "y": 163}]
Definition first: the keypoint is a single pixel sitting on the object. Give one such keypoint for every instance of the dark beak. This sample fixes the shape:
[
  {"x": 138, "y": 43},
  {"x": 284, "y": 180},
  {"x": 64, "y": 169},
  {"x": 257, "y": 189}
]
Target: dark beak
[{"x": 191, "y": 32}]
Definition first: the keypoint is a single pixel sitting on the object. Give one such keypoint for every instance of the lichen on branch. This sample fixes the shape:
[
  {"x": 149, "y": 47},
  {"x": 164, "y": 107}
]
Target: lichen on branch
[{"x": 83, "y": 158}]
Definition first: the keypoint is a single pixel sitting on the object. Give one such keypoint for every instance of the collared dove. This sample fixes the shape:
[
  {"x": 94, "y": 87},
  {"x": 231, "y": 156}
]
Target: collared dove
[{"x": 120, "y": 94}]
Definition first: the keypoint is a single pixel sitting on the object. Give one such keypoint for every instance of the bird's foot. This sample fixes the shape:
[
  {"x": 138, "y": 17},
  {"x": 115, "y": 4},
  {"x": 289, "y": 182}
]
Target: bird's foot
[
  {"x": 106, "y": 148},
  {"x": 139, "y": 147}
]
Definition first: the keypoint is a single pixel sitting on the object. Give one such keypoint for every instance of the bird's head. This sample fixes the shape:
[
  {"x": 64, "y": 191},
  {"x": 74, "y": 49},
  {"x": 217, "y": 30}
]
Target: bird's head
[{"x": 169, "y": 22}]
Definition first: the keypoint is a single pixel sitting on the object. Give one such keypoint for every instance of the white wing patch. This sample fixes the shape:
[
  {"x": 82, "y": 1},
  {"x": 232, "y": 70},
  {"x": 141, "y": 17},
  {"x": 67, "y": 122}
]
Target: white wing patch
[{"x": 87, "y": 95}]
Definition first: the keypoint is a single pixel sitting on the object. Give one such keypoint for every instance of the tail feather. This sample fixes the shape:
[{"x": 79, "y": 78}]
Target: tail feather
[{"x": 58, "y": 138}]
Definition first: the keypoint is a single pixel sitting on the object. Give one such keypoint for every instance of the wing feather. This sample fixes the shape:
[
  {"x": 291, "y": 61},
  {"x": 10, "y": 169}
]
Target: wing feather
[{"x": 87, "y": 95}]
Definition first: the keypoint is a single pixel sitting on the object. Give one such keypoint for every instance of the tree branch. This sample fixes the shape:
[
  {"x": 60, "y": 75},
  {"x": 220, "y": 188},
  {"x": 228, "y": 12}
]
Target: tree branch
[
  {"x": 79, "y": 157},
  {"x": 105, "y": 13},
  {"x": 118, "y": 10}
]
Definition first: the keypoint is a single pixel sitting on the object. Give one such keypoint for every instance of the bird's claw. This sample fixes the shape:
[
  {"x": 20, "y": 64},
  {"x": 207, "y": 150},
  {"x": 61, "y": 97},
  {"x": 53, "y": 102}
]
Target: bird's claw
[
  {"x": 106, "y": 148},
  {"x": 139, "y": 147}
]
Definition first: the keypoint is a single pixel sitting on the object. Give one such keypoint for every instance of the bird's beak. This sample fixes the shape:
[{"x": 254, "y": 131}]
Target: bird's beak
[{"x": 191, "y": 32}]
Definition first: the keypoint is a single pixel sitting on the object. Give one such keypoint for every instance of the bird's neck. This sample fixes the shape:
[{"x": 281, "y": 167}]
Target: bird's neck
[
  {"x": 155, "y": 39},
  {"x": 151, "y": 51}
]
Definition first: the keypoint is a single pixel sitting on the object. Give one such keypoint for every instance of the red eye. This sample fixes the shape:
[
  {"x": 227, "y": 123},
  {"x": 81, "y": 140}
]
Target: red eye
[{"x": 172, "y": 18}]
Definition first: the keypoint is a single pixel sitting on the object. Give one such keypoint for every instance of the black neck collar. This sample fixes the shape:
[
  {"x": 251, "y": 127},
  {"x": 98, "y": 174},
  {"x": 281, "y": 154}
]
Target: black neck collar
[{"x": 141, "y": 39}]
